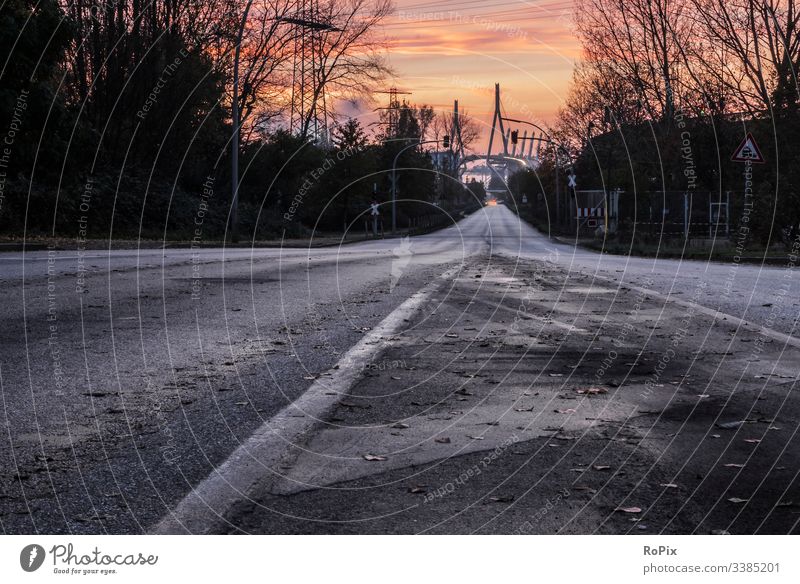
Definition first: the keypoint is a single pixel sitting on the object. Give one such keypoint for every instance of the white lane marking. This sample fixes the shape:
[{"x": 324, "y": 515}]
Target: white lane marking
[
  {"x": 716, "y": 314},
  {"x": 205, "y": 507}
]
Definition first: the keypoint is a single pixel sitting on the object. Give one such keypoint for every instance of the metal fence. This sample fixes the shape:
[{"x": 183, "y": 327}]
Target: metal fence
[{"x": 671, "y": 214}]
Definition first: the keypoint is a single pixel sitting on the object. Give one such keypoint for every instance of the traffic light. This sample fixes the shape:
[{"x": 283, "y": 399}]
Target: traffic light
[
  {"x": 446, "y": 141},
  {"x": 514, "y": 136}
]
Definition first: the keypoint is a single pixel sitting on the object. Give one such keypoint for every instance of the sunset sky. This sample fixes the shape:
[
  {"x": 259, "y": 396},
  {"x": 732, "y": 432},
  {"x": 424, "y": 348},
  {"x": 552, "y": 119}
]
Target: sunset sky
[{"x": 460, "y": 48}]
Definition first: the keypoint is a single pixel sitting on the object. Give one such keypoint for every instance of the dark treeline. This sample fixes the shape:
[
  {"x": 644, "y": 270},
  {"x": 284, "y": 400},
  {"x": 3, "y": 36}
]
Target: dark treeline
[
  {"x": 115, "y": 119},
  {"x": 664, "y": 94}
]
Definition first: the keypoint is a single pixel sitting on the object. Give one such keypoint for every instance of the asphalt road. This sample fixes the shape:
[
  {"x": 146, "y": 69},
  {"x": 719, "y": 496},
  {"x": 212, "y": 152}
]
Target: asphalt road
[{"x": 481, "y": 378}]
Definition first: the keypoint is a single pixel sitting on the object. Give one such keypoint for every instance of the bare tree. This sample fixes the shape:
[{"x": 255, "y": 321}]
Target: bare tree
[
  {"x": 638, "y": 41},
  {"x": 349, "y": 57},
  {"x": 750, "y": 47}
]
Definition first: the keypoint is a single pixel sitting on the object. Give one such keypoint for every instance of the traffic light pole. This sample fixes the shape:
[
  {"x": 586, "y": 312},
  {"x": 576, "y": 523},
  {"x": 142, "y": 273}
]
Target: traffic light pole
[{"x": 556, "y": 146}]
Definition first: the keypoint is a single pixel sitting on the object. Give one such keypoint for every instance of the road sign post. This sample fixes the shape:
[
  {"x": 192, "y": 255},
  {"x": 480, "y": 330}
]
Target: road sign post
[
  {"x": 748, "y": 151},
  {"x": 375, "y": 212}
]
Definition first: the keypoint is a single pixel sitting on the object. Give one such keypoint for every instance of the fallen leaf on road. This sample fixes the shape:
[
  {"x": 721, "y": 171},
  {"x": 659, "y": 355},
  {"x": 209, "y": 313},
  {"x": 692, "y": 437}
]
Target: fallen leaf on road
[
  {"x": 556, "y": 375},
  {"x": 503, "y": 499},
  {"x": 417, "y": 489},
  {"x": 475, "y": 437},
  {"x": 733, "y": 465},
  {"x": 400, "y": 426},
  {"x": 786, "y": 504},
  {"x": 592, "y": 391},
  {"x": 628, "y": 510},
  {"x": 703, "y": 395},
  {"x": 738, "y": 500},
  {"x": 451, "y": 335},
  {"x": 668, "y": 485},
  {"x": 720, "y": 532},
  {"x": 374, "y": 458},
  {"x": 395, "y": 377},
  {"x": 443, "y": 440},
  {"x": 567, "y": 411},
  {"x": 601, "y": 467},
  {"x": 309, "y": 377}
]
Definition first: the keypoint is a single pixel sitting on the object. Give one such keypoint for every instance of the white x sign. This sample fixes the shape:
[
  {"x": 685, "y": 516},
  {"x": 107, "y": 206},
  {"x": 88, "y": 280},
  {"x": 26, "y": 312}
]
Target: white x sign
[{"x": 572, "y": 178}]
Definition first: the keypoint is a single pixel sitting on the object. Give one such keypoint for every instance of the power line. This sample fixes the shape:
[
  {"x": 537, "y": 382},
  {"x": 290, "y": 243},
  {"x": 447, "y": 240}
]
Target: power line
[
  {"x": 469, "y": 2},
  {"x": 443, "y": 24},
  {"x": 490, "y": 17}
]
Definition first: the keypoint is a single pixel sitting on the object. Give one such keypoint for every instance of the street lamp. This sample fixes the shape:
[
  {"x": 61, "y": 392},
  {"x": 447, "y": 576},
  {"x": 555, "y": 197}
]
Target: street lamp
[
  {"x": 236, "y": 122},
  {"x": 394, "y": 177},
  {"x": 235, "y": 137}
]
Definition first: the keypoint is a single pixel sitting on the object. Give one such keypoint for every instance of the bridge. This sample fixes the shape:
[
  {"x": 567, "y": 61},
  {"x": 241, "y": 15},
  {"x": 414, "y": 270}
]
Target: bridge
[{"x": 516, "y": 152}]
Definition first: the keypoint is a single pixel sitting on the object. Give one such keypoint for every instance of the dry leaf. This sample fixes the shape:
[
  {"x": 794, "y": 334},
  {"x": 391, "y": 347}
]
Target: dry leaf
[
  {"x": 592, "y": 391},
  {"x": 733, "y": 465},
  {"x": 417, "y": 489},
  {"x": 752, "y": 440},
  {"x": 668, "y": 485},
  {"x": 400, "y": 426},
  {"x": 567, "y": 411},
  {"x": 601, "y": 467},
  {"x": 374, "y": 457},
  {"x": 738, "y": 500},
  {"x": 476, "y": 437},
  {"x": 628, "y": 510},
  {"x": 503, "y": 499},
  {"x": 730, "y": 425},
  {"x": 443, "y": 440}
]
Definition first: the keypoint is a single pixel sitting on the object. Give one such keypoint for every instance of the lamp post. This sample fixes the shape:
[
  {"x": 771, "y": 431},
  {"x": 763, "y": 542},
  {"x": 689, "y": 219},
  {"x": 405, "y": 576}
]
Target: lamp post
[
  {"x": 235, "y": 136},
  {"x": 236, "y": 122},
  {"x": 394, "y": 178}
]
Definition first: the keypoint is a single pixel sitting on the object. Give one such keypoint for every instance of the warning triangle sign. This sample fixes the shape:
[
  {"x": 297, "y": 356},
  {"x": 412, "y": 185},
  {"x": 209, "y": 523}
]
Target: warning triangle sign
[{"x": 748, "y": 151}]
